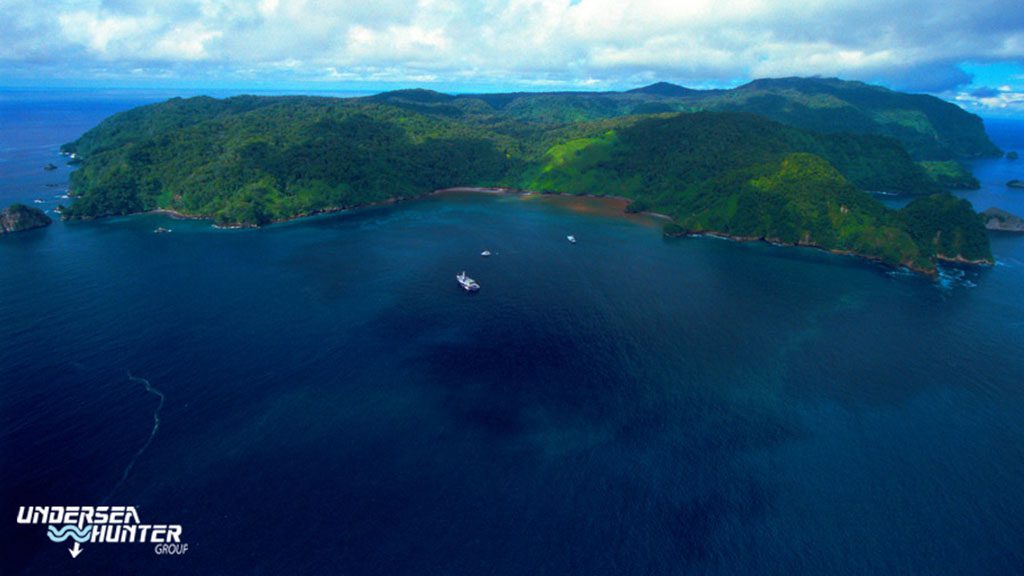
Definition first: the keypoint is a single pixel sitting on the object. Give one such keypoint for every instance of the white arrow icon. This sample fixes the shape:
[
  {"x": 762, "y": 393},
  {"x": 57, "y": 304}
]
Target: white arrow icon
[{"x": 76, "y": 550}]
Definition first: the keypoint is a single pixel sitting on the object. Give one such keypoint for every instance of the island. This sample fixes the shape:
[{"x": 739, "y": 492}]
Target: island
[
  {"x": 1003, "y": 221},
  {"x": 19, "y": 217},
  {"x": 1015, "y": 184},
  {"x": 783, "y": 160},
  {"x": 1012, "y": 155}
]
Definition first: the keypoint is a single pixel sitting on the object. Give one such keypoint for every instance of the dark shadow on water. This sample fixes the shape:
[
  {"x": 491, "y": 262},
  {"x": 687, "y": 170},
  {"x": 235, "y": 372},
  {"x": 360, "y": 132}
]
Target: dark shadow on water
[{"x": 666, "y": 458}]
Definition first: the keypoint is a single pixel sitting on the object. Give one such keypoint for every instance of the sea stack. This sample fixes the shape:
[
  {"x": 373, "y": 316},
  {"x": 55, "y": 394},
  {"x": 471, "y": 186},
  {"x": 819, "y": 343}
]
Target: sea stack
[
  {"x": 997, "y": 219},
  {"x": 18, "y": 218}
]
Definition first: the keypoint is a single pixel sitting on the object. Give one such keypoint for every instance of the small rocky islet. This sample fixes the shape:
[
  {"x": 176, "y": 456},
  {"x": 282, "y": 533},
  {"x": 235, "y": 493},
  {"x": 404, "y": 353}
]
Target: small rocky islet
[
  {"x": 1001, "y": 220},
  {"x": 19, "y": 217}
]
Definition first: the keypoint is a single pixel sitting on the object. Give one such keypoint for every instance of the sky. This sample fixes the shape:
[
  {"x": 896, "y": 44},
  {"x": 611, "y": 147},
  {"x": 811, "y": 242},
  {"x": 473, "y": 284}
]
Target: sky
[{"x": 969, "y": 52}]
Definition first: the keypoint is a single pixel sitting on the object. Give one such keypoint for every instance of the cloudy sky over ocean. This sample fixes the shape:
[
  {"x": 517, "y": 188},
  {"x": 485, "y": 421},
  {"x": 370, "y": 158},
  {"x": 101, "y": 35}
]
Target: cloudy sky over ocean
[{"x": 970, "y": 52}]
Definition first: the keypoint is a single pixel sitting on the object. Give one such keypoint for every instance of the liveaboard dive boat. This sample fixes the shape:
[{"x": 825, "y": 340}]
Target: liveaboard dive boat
[{"x": 467, "y": 283}]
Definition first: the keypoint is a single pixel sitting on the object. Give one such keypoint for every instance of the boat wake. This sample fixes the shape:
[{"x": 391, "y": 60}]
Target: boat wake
[{"x": 152, "y": 433}]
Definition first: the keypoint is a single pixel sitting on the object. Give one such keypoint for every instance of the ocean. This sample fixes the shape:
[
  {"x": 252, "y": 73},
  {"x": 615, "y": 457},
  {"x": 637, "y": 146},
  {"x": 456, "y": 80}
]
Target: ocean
[{"x": 320, "y": 397}]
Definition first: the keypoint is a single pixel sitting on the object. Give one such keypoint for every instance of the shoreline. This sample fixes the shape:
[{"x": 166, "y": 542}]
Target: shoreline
[
  {"x": 174, "y": 214},
  {"x": 931, "y": 273},
  {"x": 928, "y": 272},
  {"x": 503, "y": 190}
]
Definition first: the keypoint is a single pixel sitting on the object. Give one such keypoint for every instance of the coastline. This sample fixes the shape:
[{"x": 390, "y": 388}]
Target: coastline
[
  {"x": 506, "y": 190},
  {"x": 931, "y": 273},
  {"x": 502, "y": 190},
  {"x": 174, "y": 214}
]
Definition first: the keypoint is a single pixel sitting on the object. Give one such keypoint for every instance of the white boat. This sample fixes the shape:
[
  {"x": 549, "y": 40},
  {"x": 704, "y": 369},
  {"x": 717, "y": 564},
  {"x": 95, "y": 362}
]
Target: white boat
[
  {"x": 467, "y": 283},
  {"x": 571, "y": 238},
  {"x": 485, "y": 253}
]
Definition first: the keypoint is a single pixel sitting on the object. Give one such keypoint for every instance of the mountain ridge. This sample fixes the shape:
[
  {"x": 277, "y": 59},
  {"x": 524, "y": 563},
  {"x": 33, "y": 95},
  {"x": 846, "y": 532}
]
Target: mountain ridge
[{"x": 928, "y": 127}]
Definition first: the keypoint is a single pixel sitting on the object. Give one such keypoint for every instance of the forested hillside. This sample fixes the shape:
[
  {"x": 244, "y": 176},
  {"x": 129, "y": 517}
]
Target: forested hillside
[{"x": 252, "y": 160}]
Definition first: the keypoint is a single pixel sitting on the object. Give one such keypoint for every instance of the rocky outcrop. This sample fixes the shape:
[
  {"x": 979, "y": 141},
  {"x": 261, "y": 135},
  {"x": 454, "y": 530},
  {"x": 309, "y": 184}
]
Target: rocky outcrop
[
  {"x": 996, "y": 219},
  {"x": 18, "y": 217}
]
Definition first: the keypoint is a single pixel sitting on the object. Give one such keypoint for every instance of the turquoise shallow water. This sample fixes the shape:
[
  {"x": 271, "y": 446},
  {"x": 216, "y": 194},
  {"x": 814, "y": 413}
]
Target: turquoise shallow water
[{"x": 629, "y": 404}]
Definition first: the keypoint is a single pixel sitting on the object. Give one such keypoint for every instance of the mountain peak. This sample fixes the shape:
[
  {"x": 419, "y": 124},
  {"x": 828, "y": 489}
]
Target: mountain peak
[
  {"x": 662, "y": 89},
  {"x": 415, "y": 95},
  {"x": 806, "y": 83}
]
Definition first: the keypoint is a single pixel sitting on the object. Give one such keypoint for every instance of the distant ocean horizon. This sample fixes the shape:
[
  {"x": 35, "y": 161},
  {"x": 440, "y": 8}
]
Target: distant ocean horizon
[{"x": 320, "y": 397}]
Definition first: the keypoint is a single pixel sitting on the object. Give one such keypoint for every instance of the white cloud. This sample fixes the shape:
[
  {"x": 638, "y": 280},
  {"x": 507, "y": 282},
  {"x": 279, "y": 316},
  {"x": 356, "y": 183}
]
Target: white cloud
[
  {"x": 908, "y": 43},
  {"x": 97, "y": 32},
  {"x": 111, "y": 36},
  {"x": 997, "y": 101},
  {"x": 185, "y": 42}
]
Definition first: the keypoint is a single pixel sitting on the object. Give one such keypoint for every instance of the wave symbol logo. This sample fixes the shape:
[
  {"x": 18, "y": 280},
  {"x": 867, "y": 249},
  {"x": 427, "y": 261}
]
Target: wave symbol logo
[{"x": 69, "y": 531}]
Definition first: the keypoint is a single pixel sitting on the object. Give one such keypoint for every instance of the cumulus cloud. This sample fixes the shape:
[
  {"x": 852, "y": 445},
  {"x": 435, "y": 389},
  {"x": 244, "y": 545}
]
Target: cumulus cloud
[
  {"x": 909, "y": 44},
  {"x": 987, "y": 100}
]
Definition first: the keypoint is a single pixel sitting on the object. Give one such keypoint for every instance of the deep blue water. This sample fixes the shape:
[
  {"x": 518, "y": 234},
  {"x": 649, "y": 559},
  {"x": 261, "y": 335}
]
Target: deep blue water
[{"x": 334, "y": 404}]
